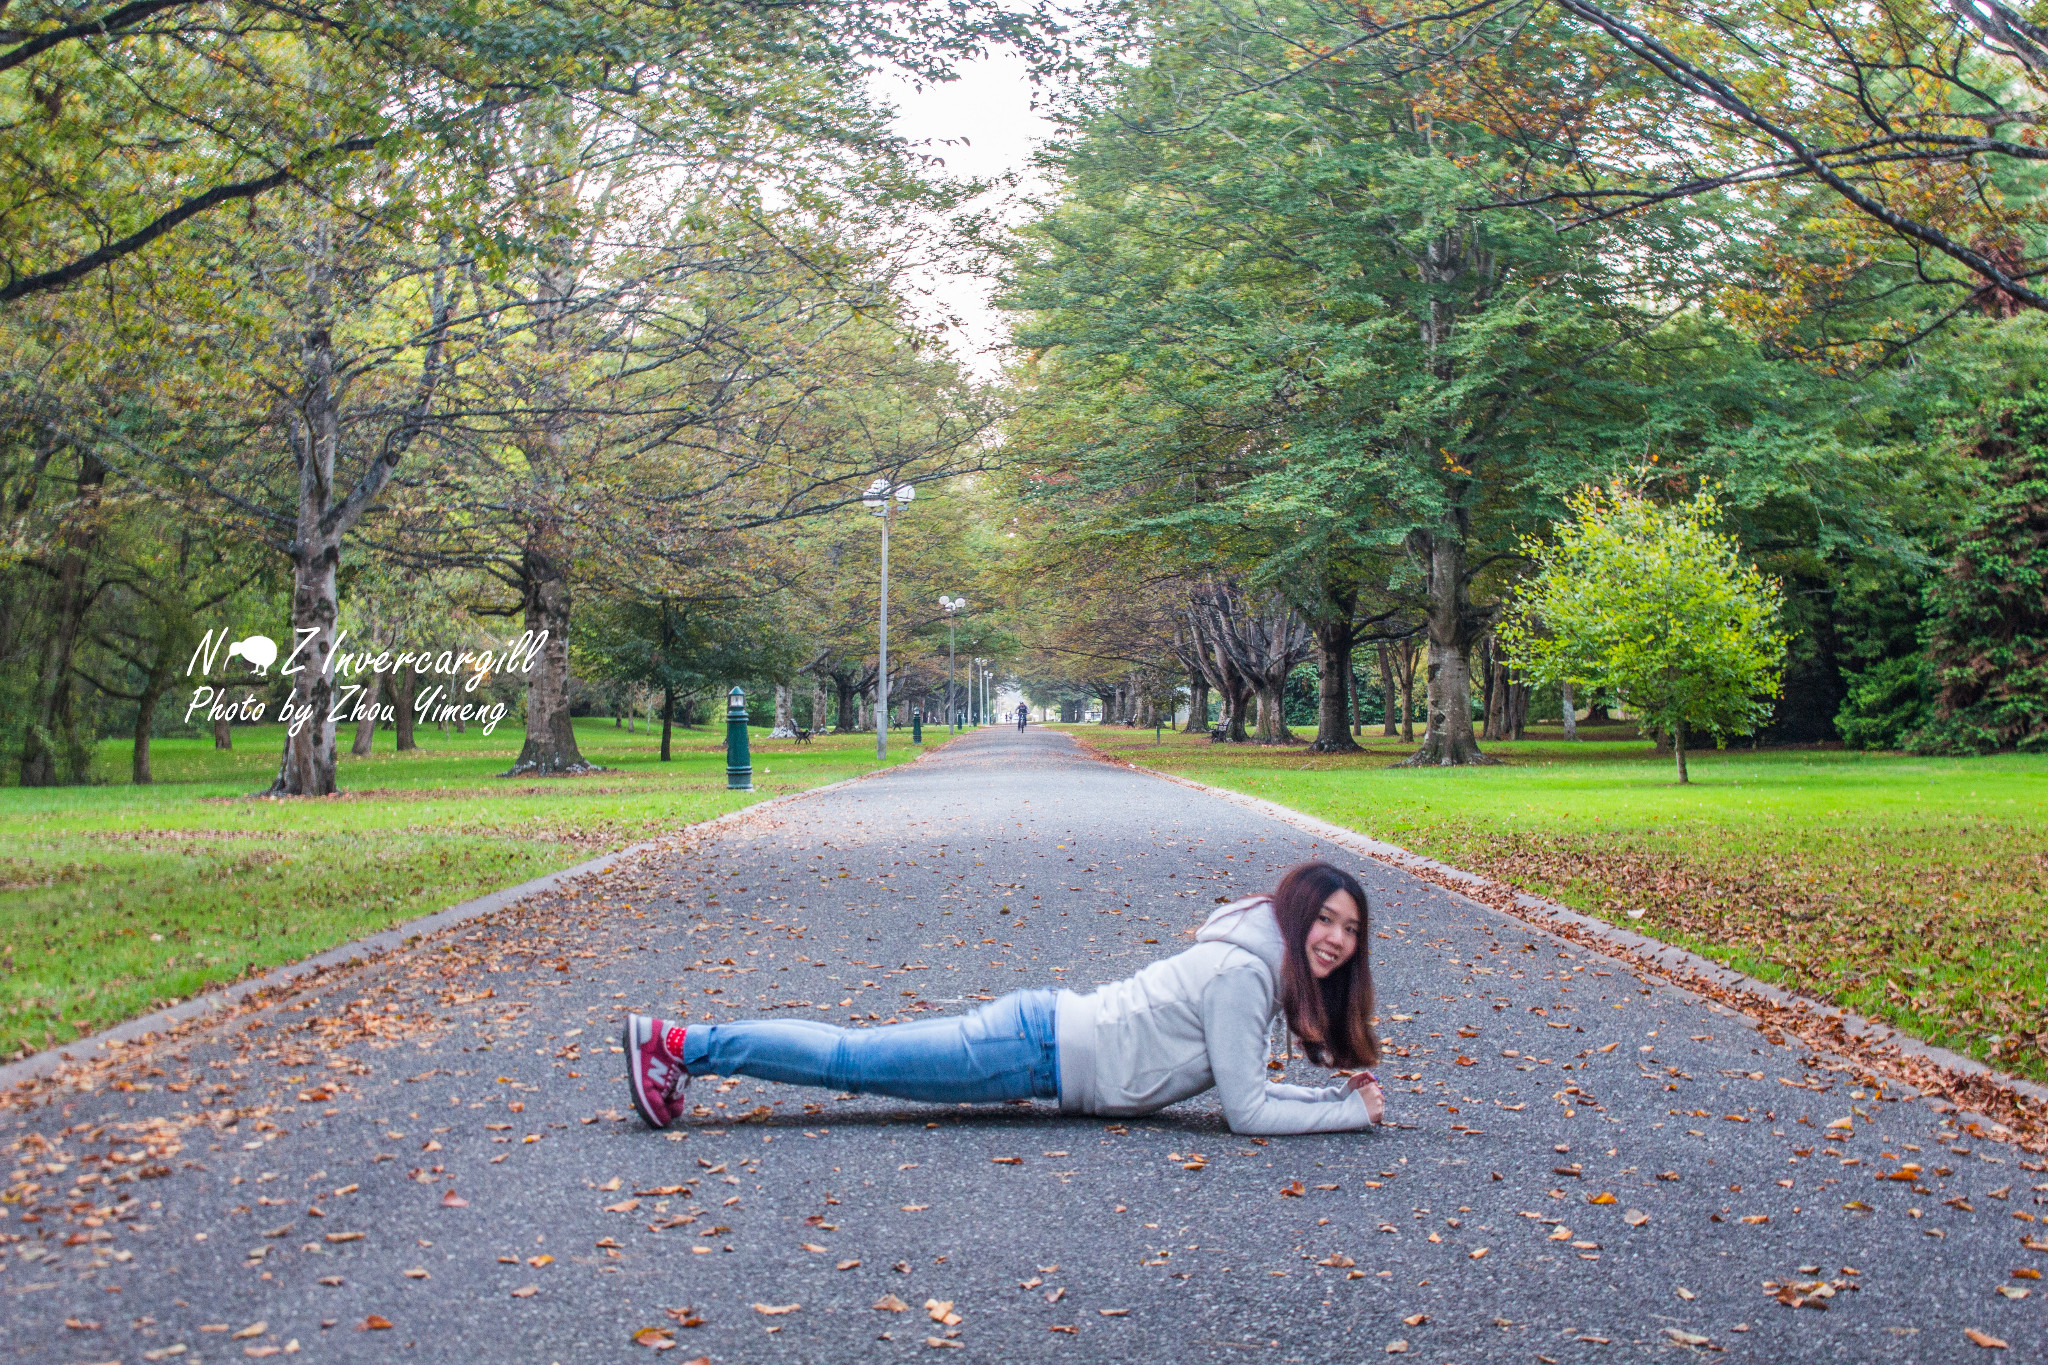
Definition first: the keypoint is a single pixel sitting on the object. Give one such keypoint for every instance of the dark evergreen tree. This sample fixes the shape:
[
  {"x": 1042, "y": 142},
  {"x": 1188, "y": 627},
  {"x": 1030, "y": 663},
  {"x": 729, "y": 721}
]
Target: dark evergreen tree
[{"x": 1989, "y": 612}]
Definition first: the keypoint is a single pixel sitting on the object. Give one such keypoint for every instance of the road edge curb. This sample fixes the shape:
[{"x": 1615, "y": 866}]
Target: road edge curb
[
  {"x": 362, "y": 951},
  {"x": 1664, "y": 956}
]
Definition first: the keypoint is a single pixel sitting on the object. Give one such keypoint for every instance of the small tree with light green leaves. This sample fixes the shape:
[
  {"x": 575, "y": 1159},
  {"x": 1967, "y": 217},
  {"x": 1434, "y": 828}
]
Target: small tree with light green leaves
[{"x": 1655, "y": 602}]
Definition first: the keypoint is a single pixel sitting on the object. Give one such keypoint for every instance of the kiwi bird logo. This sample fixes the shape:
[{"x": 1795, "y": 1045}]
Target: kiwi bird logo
[{"x": 259, "y": 650}]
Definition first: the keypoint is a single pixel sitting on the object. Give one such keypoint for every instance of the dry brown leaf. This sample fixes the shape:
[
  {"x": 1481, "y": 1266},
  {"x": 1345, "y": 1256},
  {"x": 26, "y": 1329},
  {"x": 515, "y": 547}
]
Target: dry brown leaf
[
  {"x": 623, "y": 1206},
  {"x": 526, "y": 1291},
  {"x": 1477, "y": 1252},
  {"x": 813, "y": 1248},
  {"x": 1985, "y": 1339},
  {"x": 1601, "y": 1198},
  {"x": 452, "y": 1200},
  {"x": 1635, "y": 1218},
  {"x": 254, "y": 1329},
  {"x": 846, "y": 1265},
  {"x": 1293, "y": 1189},
  {"x": 1337, "y": 1260},
  {"x": 774, "y": 1310},
  {"x": 685, "y": 1317},
  {"x": 1395, "y": 1348},
  {"x": 889, "y": 1303},
  {"x": 655, "y": 1338},
  {"x": 1114, "y": 1312},
  {"x": 609, "y": 1185},
  {"x": 375, "y": 1322},
  {"x": 1415, "y": 1320}
]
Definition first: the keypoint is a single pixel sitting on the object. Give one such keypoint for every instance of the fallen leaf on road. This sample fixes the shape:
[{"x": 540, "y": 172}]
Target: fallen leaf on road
[
  {"x": 1070, "y": 1331},
  {"x": 1685, "y": 1338},
  {"x": 1635, "y": 1218},
  {"x": 1601, "y": 1198},
  {"x": 1686, "y": 1294},
  {"x": 1293, "y": 1189},
  {"x": 1463, "y": 1060},
  {"x": 2013, "y": 1291},
  {"x": 526, "y": 1291},
  {"x": 331, "y": 1281},
  {"x": 889, "y": 1303},
  {"x": 685, "y": 1317},
  {"x": 915, "y": 1208},
  {"x": 813, "y": 1248},
  {"x": 1561, "y": 1234},
  {"x": 846, "y": 1265},
  {"x": 609, "y": 1185},
  {"x": 1609, "y": 1048},
  {"x": 1338, "y": 1260},
  {"x": 82, "y": 1324},
  {"x": 452, "y": 1200},
  {"x": 655, "y": 1338},
  {"x": 937, "y": 1343},
  {"x": 1477, "y": 1252},
  {"x": 2026, "y": 1273},
  {"x": 1006, "y": 1160},
  {"x": 344, "y": 1236},
  {"x": 1114, "y": 1312},
  {"x": 1984, "y": 1339},
  {"x": 416, "y": 1273},
  {"x": 623, "y": 1206},
  {"x": 941, "y": 1311},
  {"x": 1415, "y": 1321},
  {"x": 774, "y": 1310},
  {"x": 538, "y": 1261},
  {"x": 1395, "y": 1348},
  {"x": 375, "y": 1322},
  {"x": 1755, "y": 1218}
]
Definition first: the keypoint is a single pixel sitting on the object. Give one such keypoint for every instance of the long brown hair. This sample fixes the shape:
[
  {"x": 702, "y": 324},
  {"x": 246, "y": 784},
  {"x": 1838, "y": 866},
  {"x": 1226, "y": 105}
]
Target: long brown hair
[{"x": 1333, "y": 1016}]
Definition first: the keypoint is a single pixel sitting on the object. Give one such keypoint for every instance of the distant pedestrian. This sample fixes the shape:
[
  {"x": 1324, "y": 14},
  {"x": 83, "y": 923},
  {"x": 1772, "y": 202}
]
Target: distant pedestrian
[
  {"x": 1190, "y": 1022},
  {"x": 1023, "y": 714}
]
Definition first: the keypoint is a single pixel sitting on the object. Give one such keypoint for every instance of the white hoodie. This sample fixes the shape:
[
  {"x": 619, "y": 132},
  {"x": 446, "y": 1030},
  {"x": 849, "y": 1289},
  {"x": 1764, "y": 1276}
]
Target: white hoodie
[{"x": 1198, "y": 1019}]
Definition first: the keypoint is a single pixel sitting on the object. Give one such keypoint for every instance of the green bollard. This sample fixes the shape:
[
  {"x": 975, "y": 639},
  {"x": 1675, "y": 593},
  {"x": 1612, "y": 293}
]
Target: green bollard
[
  {"x": 739, "y": 762},
  {"x": 917, "y": 727}
]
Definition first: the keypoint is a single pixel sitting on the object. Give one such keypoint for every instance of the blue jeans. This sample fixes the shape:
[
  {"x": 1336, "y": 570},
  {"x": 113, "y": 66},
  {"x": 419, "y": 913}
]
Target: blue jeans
[{"x": 1006, "y": 1050}]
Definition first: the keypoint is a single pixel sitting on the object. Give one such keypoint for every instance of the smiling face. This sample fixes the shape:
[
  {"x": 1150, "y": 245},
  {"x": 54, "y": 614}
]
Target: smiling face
[{"x": 1333, "y": 938}]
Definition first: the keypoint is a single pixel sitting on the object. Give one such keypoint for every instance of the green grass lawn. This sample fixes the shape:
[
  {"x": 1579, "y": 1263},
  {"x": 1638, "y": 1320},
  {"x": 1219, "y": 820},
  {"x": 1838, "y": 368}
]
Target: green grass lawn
[
  {"x": 1910, "y": 889},
  {"x": 117, "y": 899}
]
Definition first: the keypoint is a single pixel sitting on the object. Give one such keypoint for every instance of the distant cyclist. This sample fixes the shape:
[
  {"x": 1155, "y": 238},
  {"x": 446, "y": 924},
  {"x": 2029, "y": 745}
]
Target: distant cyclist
[{"x": 1023, "y": 714}]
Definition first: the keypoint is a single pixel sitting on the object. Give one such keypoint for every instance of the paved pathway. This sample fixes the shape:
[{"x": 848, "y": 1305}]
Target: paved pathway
[{"x": 1585, "y": 1167}]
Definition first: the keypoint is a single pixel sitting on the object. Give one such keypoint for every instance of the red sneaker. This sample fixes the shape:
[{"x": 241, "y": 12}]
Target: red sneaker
[{"x": 654, "y": 1069}]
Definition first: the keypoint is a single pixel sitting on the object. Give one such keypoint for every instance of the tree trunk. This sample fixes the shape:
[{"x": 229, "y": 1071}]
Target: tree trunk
[
  {"x": 1408, "y": 691},
  {"x": 550, "y": 747},
  {"x": 366, "y": 722},
  {"x": 1571, "y": 714},
  {"x": 844, "y": 719},
  {"x": 819, "y": 705},
  {"x": 1678, "y": 748},
  {"x": 1333, "y": 674},
  {"x": 1452, "y": 626},
  {"x": 1387, "y": 722},
  {"x": 785, "y": 712},
  {"x": 1198, "y": 702},
  {"x": 1230, "y": 722},
  {"x": 668, "y": 711},
  {"x": 402, "y": 706},
  {"x": 145, "y": 721},
  {"x": 1357, "y": 708},
  {"x": 308, "y": 765},
  {"x": 53, "y": 753},
  {"x": 223, "y": 733}
]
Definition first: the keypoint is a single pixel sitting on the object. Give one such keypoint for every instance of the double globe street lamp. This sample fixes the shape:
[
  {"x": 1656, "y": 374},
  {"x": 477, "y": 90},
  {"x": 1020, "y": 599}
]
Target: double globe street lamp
[
  {"x": 882, "y": 499},
  {"x": 952, "y": 606}
]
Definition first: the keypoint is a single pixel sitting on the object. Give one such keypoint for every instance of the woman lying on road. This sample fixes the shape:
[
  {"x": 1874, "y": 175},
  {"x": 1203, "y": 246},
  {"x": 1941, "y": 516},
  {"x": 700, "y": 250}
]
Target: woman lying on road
[{"x": 1195, "y": 1020}]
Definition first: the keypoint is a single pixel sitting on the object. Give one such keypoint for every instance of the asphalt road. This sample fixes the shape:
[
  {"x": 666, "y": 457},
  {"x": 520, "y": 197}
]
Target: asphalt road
[{"x": 1579, "y": 1167}]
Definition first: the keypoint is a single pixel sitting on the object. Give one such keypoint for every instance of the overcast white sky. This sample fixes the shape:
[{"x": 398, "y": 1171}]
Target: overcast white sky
[{"x": 982, "y": 125}]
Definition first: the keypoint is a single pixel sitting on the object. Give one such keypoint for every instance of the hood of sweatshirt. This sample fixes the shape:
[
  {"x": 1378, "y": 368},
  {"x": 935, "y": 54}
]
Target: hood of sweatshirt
[{"x": 1248, "y": 924}]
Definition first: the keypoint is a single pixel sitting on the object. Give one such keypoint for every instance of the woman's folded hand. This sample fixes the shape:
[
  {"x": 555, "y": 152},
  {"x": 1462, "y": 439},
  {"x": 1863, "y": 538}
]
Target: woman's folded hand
[{"x": 1368, "y": 1087}]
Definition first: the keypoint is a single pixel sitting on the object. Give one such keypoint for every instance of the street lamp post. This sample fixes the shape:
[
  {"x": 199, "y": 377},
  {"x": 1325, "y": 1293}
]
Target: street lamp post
[
  {"x": 882, "y": 499},
  {"x": 952, "y": 606}
]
